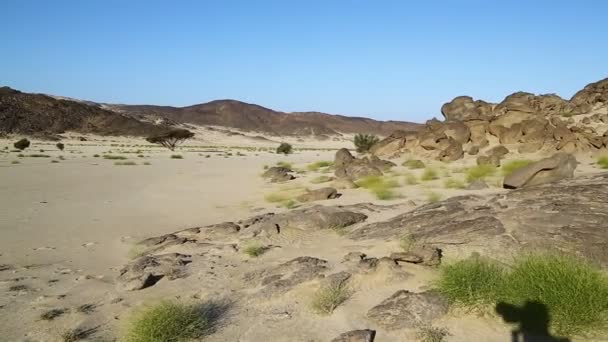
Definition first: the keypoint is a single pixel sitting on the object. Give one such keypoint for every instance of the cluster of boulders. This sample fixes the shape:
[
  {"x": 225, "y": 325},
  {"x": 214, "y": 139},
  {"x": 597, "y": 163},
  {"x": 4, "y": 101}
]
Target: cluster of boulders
[
  {"x": 278, "y": 174},
  {"x": 348, "y": 167},
  {"x": 532, "y": 122}
]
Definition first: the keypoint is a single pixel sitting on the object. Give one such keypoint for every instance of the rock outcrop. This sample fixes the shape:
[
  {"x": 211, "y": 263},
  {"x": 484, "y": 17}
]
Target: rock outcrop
[
  {"x": 406, "y": 309},
  {"x": 319, "y": 195},
  {"x": 557, "y": 167},
  {"x": 349, "y": 167},
  {"x": 278, "y": 174}
]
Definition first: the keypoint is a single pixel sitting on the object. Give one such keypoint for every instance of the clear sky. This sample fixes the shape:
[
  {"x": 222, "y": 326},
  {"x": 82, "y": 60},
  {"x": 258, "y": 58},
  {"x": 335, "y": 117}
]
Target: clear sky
[{"x": 398, "y": 60}]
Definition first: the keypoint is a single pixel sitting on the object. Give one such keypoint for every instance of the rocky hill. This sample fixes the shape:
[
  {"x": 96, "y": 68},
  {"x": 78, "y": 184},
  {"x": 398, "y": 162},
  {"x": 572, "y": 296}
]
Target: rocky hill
[
  {"x": 37, "y": 114},
  {"x": 251, "y": 117},
  {"x": 524, "y": 122}
]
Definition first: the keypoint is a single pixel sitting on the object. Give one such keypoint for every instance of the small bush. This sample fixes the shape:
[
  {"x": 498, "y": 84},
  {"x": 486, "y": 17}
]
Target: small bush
[
  {"x": 433, "y": 197},
  {"x": 429, "y": 174},
  {"x": 379, "y": 186},
  {"x": 414, "y": 164},
  {"x": 96, "y": 156},
  {"x": 38, "y": 155},
  {"x": 363, "y": 142},
  {"x": 254, "y": 250},
  {"x": 328, "y": 298},
  {"x": 125, "y": 163},
  {"x": 177, "y": 156},
  {"x": 22, "y": 144},
  {"x": 147, "y": 163},
  {"x": 284, "y": 148},
  {"x": 479, "y": 172},
  {"x": 432, "y": 334},
  {"x": 603, "y": 162},
  {"x": 168, "y": 321},
  {"x": 451, "y": 183},
  {"x": 290, "y": 204},
  {"x": 317, "y": 165},
  {"x": 15, "y": 162},
  {"x": 509, "y": 167},
  {"x": 284, "y": 164},
  {"x": 54, "y": 161},
  {"x": 320, "y": 179},
  {"x": 113, "y": 157},
  {"x": 410, "y": 179},
  {"x": 60, "y": 146}
]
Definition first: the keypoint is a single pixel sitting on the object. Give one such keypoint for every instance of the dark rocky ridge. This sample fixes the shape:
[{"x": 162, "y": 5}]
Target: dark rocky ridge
[{"x": 36, "y": 114}]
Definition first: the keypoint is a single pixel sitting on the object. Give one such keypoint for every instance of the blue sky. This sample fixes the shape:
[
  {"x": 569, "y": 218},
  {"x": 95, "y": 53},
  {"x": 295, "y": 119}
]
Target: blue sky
[{"x": 390, "y": 60}]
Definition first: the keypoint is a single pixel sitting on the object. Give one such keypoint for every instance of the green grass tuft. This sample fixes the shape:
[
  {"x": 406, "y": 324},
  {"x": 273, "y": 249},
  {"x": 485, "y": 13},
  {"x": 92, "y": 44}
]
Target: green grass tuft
[
  {"x": 603, "y": 162},
  {"x": 433, "y": 197},
  {"x": 169, "y": 321},
  {"x": 328, "y": 298},
  {"x": 410, "y": 179},
  {"x": 126, "y": 163},
  {"x": 285, "y": 164},
  {"x": 320, "y": 164},
  {"x": 254, "y": 249},
  {"x": 320, "y": 179},
  {"x": 113, "y": 157},
  {"x": 513, "y": 165},
  {"x": 380, "y": 186},
  {"x": 574, "y": 292},
  {"x": 429, "y": 174},
  {"x": 414, "y": 164},
  {"x": 177, "y": 156},
  {"x": 479, "y": 172},
  {"x": 451, "y": 183}
]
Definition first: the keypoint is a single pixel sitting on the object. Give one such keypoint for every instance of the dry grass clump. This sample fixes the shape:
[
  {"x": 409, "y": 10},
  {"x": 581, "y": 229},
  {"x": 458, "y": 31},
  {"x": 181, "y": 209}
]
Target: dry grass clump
[
  {"x": 429, "y": 174},
  {"x": 127, "y": 163},
  {"x": 479, "y": 172},
  {"x": 320, "y": 179},
  {"x": 381, "y": 187},
  {"x": 603, "y": 162},
  {"x": 328, "y": 298},
  {"x": 113, "y": 157},
  {"x": 177, "y": 156},
  {"x": 451, "y": 183},
  {"x": 509, "y": 167},
  {"x": 320, "y": 164},
  {"x": 254, "y": 249}
]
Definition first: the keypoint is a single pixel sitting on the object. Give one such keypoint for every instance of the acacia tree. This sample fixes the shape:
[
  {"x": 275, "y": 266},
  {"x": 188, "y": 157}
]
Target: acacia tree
[
  {"x": 171, "y": 138},
  {"x": 363, "y": 142}
]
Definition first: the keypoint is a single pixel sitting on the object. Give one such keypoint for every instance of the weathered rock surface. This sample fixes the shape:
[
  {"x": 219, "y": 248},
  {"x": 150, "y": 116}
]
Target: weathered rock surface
[
  {"x": 147, "y": 270},
  {"x": 278, "y": 174},
  {"x": 365, "y": 335},
  {"x": 464, "y": 108},
  {"x": 352, "y": 168},
  {"x": 568, "y": 215},
  {"x": 282, "y": 278},
  {"x": 557, "y": 167},
  {"x": 424, "y": 255},
  {"x": 406, "y": 309},
  {"x": 319, "y": 195}
]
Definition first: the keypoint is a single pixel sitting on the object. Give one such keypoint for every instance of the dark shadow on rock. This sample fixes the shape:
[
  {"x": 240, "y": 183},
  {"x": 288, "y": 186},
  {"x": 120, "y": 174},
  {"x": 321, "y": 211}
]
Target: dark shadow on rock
[{"x": 533, "y": 322}]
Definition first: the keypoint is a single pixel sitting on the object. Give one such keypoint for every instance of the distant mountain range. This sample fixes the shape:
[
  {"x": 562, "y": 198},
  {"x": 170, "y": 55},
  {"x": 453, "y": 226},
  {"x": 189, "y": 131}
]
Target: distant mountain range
[{"x": 39, "y": 114}]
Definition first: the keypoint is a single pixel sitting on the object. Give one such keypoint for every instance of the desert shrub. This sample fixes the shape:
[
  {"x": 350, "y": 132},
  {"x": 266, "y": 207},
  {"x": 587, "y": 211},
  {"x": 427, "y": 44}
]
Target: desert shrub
[
  {"x": 363, "y": 142},
  {"x": 284, "y": 148},
  {"x": 429, "y": 174},
  {"x": 574, "y": 292},
  {"x": 77, "y": 334},
  {"x": 51, "y": 314},
  {"x": 380, "y": 186},
  {"x": 410, "y": 179},
  {"x": 96, "y": 156},
  {"x": 125, "y": 163},
  {"x": 317, "y": 165},
  {"x": 603, "y": 162},
  {"x": 169, "y": 321},
  {"x": 320, "y": 179},
  {"x": 170, "y": 139},
  {"x": 277, "y": 197},
  {"x": 22, "y": 144},
  {"x": 113, "y": 157},
  {"x": 509, "y": 167},
  {"x": 326, "y": 299},
  {"x": 479, "y": 172},
  {"x": 54, "y": 161},
  {"x": 290, "y": 204},
  {"x": 38, "y": 155},
  {"x": 147, "y": 163},
  {"x": 451, "y": 183},
  {"x": 60, "y": 146},
  {"x": 414, "y": 164},
  {"x": 177, "y": 156},
  {"x": 254, "y": 249},
  {"x": 15, "y": 162},
  {"x": 432, "y": 334},
  {"x": 433, "y": 197},
  {"x": 284, "y": 164}
]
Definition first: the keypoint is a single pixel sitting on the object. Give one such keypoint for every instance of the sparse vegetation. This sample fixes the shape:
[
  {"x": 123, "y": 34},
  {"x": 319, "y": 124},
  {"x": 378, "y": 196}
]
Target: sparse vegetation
[
  {"x": 429, "y": 174},
  {"x": 603, "y": 162},
  {"x": 380, "y": 186},
  {"x": 147, "y": 163},
  {"x": 432, "y": 334},
  {"x": 169, "y": 321},
  {"x": 38, "y": 155},
  {"x": 284, "y": 164},
  {"x": 328, "y": 298},
  {"x": 22, "y": 144},
  {"x": 452, "y": 183},
  {"x": 363, "y": 142},
  {"x": 171, "y": 138},
  {"x": 52, "y": 314},
  {"x": 574, "y": 292},
  {"x": 254, "y": 249},
  {"x": 54, "y": 161},
  {"x": 125, "y": 163},
  {"x": 284, "y": 148},
  {"x": 320, "y": 179},
  {"x": 410, "y": 179},
  {"x": 479, "y": 172},
  {"x": 433, "y": 197},
  {"x": 15, "y": 162},
  {"x": 317, "y": 165},
  {"x": 60, "y": 146},
  {"x": 73, "y": 335},
  {"x": 113, "y": 157},
  {"x": 177, "y": 156},
  {"x": 96, "y": 156},
  {"x": 509, "y": 167},
  {"x": 414, "y": 164}
]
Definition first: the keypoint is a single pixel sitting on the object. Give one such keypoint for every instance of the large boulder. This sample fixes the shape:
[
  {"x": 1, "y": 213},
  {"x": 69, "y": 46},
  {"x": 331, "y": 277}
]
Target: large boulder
[
  {"x": 343, "y": 157},
  {"x": 452, "y": 150},
  {"x": 347, "y": 166},
  {"x": 392, "y": 144},
  {"x": 464, "y": 108},
  {"x": 278, "y": 174},
  {"x": 557, "y": 167},
  {"x": 406, "y": 309},
  {"x": 593, "y": 94},
  {"x": 366, "y": 335}
]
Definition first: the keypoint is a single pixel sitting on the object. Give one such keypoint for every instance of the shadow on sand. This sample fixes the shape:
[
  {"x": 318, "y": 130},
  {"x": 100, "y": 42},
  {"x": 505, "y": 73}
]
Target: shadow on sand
[{"x": 532, "y": 319}]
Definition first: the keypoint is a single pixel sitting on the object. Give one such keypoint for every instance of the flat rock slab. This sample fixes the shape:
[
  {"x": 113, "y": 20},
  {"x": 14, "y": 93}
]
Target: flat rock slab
[
  {"x": 408, "y": 310},
  {"x": 365, "y": 335}
]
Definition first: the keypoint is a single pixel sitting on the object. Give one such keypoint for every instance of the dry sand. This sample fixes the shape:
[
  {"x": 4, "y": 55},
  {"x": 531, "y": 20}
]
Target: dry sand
[{"x": 67, "y": 227}]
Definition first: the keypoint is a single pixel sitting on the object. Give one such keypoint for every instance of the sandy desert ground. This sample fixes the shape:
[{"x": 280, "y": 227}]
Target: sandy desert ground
[{"x": 67, "y": 227}]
